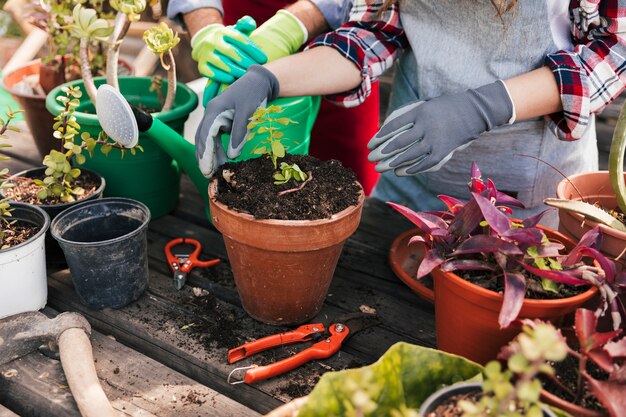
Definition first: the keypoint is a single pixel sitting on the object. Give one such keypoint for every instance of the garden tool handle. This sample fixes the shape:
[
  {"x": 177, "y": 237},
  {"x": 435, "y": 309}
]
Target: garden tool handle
[
  {"x": 321, "y": 350},
  {"x": 301, "y": 334},
  {"x": 80, "y": 372},
  {"x": 192, "y": 258}
]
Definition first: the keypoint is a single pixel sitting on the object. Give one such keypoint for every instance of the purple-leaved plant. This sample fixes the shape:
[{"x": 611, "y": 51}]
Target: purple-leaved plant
[{"x": 481, "y": 235}]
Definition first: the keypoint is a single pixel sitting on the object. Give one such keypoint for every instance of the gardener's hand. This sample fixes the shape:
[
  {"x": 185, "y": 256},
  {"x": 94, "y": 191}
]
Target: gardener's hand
[
  {"x": 229, "y": 113},
  {"x": 282, "y": 35},
  {"x": 422, "y": 136},
  {"x": 223, "y": 53}
]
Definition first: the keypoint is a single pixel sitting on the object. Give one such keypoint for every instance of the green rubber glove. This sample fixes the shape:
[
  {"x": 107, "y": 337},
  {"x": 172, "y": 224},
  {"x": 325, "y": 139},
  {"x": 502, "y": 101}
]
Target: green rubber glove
[
  {"x": 282, "y": 35},
  {"x": 223, "y": 53}
]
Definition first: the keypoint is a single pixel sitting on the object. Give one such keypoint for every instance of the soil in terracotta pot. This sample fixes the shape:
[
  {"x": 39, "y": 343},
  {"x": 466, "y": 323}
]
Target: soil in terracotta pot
[
  {"x": 567, "y": 374},
  {"x": 16, "y": 233},
  {"x": 533, "y": 287},
  {"x": 449, "y": 408},
  {"x": 25, "y": 190},
  {"x": 250, "y": 188}
]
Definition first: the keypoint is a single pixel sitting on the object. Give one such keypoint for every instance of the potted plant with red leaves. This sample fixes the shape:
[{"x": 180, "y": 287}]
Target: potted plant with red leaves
[
  {"x": 591, "y": 382},
  {"x": 500, "y": 263}
]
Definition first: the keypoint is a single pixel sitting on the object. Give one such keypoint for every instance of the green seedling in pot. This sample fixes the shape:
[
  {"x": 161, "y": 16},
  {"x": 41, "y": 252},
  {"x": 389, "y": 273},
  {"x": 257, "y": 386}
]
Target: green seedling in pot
[
  {"x": 60, "y": 175},
  {"x": 161, "y": 40},
  {"x": 264, "y": 122},
  {"x": 514, "y": 391},
  {"x": 5, "y": 207}
]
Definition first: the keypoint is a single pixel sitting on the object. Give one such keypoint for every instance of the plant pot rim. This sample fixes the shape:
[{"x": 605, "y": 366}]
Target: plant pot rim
[
  {"x": 41, "y": 231},
  {"x": 528, "y": 302},
  {"x": 395, "y": 262},
  {"x": 560, "y": 192},
  {"x": 100, "y": 201},
  {"x": 178, "y": 111},
  {"x": 33, "y": 63},
  {"x": 277, "y": 222},
  {"x": 98, "y": 190}
]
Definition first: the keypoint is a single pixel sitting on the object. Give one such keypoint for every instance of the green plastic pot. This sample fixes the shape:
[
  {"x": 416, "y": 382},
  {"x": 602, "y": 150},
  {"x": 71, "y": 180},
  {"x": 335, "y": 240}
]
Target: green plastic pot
[{"x": 152, "y": 176}]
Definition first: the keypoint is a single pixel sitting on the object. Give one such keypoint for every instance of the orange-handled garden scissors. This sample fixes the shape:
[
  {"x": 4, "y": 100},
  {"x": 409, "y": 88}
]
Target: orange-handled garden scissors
[{"x": 182, "y": 264}]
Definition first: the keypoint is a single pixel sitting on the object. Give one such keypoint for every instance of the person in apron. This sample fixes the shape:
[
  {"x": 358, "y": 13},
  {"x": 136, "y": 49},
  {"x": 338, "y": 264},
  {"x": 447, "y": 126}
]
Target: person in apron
[
  {"x": 474, "y": 85},
  {"x": 339, "y": 133}
]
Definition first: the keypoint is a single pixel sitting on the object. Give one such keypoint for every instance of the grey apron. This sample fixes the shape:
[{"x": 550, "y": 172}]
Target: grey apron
[{"x": 456, "y": 45}]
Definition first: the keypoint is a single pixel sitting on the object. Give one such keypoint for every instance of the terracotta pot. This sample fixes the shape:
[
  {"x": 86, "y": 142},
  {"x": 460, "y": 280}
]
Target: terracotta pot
[
  {"x": 572, "y": 409},
  {"x": 405, "y": 259},
  {"x": 39, "y": 120},
  {"x": 52, "y": 75},
  {"x": 595, "y": 187},
  {"x": 466, "y": 315},
  {"x": 282, "y": 268}
]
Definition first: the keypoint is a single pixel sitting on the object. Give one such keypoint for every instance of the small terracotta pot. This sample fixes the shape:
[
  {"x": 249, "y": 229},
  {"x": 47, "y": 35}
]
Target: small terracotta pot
[
  {"x": 595, "y": 187},
  {"x": 52, "y": 75},
  {"x": 572, "y": 409},
  {"x": 39, "y": 120},
  {"x": 282, "y": 268},
  {"x": 466, "y": 315}
]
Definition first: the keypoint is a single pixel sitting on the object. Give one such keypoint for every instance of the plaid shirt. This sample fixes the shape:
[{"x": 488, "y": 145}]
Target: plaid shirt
[{"x": 589, "y": 77}]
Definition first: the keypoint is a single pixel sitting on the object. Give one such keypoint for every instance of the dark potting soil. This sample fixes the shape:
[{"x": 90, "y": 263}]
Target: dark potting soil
[
  {"x": 449, "y": 408},
  {"x": 17, "y": 233},
  {"x": 534, "y": 290},
  {"x": 250, "y": 188},
  {"x": 566, "y": 372},
  {"x": 25, "y": 191}
]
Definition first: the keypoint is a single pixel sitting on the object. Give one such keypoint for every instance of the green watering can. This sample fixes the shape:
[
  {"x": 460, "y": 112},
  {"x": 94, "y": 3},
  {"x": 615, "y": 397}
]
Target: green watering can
[{"x": 123, "y": 122}]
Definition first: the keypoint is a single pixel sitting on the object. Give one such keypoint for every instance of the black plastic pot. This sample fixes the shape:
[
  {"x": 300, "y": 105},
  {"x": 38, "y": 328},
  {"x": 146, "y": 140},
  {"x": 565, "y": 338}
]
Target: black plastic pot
[
  {"x": 438, "y": 397},
  {"x": 54, "y": 254},
  {"x": 105, "y": 244}
]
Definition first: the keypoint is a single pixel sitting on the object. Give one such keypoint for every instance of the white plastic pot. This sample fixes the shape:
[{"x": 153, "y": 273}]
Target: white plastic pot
[{"x": 23, "y": 285}]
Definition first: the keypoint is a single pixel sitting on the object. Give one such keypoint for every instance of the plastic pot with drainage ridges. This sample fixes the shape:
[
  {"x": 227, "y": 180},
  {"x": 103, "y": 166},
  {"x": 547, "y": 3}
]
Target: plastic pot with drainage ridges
[{"x": 106, "y": 248}]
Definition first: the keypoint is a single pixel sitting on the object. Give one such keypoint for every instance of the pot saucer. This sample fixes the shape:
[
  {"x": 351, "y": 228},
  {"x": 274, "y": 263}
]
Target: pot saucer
[{"x": 404, "y": 260}]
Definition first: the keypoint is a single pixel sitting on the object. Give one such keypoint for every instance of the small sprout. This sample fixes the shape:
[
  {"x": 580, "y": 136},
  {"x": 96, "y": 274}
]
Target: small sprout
[
  {"x": 161, "y": 40},
  {"x": 131, "y": 8},
  {"x": 5, "y": 207}
]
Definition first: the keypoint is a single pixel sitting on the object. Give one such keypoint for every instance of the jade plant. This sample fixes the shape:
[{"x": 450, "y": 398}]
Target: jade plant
[
  {"x": 5, "y": 207},
  {"x": 87, "y": 26},
  {"x": 264, "y": 122},
  {"x": 514, "y": 390},
  {"x": 61, "y": 176},
  {"x": 161, "y": 40},
  {"x": 479, "y": 236},
  {"x": 127, "y": 11}
]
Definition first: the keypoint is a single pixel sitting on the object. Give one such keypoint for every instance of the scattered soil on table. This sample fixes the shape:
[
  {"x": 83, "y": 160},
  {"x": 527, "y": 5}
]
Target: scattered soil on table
[
  {"x": 249, "y": 187},
  {"x": 193, "y": 397},
  {"x": 17, "y": 233},
  {"x": 567, "y": 374},
  {"x": 25, "y": 190},
  {"x": 448, "y": 408}
]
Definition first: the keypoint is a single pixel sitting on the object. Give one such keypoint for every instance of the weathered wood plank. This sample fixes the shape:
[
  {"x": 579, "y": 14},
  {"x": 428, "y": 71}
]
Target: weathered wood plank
[{"x": 135, "y": 384}]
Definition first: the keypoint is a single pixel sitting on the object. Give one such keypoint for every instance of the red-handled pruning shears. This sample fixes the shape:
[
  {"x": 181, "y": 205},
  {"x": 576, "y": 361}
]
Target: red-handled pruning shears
[
  {"x": 328, "y": 343},
  {"x": 182, "y": 264}
]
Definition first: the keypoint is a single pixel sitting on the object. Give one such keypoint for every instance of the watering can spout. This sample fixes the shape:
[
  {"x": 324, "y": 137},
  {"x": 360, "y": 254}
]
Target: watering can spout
[{"x": 123, "y": 122}]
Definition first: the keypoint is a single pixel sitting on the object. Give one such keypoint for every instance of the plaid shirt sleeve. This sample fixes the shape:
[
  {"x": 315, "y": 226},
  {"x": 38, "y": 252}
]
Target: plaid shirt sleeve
[
  {"x": 370, "y": 40},
  {"x": 593, "y": 73}
]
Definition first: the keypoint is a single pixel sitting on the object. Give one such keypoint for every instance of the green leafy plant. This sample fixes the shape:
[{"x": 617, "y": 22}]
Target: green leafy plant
[
  {"x": 264, "y": 121},
  {"x": 5, "y": 207},
  {"x": 60, "y": 175},
  {"x": 514, "y": 391},
  {"x": 161, "y": 40}
]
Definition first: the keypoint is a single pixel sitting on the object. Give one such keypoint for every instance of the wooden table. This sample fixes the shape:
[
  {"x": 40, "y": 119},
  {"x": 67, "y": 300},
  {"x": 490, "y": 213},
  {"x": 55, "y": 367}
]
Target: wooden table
[{"x": 165, "y": 354}]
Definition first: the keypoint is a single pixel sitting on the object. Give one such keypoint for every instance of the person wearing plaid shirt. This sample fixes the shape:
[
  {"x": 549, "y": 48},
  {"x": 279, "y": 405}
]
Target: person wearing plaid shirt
[{"x": 523, "y": 77}]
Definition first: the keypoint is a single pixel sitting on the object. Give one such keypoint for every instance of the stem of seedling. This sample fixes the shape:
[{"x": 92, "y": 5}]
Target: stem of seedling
[
  {"x": 85, "y": 68},
  {"x": 120, "y": 28},
  {"x": 171, "y": 81}
]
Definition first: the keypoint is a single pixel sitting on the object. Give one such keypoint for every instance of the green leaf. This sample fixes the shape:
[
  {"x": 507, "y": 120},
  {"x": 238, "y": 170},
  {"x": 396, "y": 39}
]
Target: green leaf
[
  {"x": 42, "y": 194},
  {"x": 80, "y": 159},
  {"x": 75, "y": 172},
  {"x": 549, "y": 285},
  {"x": 68, "y": 145},
  {"x": 260, "y": 151},
  {"x": 105, "y": 149},
  {"x": 48, "y": 180},
  {"x": 278, "y": 149}
]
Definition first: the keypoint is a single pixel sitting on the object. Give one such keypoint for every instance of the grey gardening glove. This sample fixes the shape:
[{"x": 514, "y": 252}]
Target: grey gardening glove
[
  {"x": 422, "y": 136},
  {"x": 229, "y": 113}
]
